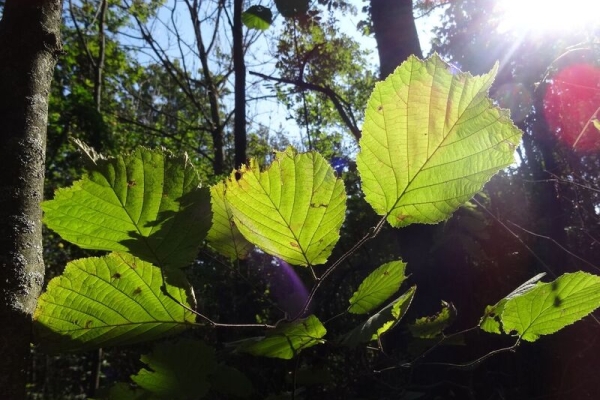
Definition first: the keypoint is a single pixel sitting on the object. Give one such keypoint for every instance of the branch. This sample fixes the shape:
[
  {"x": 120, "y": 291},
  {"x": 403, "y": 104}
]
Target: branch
[{"x": 333, "y": 96}]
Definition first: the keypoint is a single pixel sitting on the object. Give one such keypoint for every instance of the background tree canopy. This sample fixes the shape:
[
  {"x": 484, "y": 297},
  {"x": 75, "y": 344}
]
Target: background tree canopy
[{"x": 285, "y": 91}]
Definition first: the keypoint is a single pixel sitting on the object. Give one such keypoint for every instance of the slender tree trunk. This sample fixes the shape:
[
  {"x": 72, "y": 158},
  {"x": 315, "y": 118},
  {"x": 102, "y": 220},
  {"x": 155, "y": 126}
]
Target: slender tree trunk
[
  {"x": 395, "y": 33},
  {"x": 216, "y": 125},
  {"x": 29, "y": 46},
  {"x": 240, "y": 84},
  {"x": 101, "y": 55}
]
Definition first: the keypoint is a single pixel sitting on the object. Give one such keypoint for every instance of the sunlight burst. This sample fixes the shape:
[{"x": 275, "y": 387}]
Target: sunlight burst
[{"x": 540, "y": 16}]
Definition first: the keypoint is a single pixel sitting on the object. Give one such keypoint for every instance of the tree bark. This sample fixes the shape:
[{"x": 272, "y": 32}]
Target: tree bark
[
  {"x": 395, "y": 33},
  {"x": 239, "y": 67},
  {"x": 29, "y": 46}
]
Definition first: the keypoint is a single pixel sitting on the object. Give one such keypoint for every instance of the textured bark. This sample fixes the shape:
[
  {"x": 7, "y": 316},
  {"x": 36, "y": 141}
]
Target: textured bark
[
  {"x": 395, "y": 33},
  {"x": 29, "y": 46}
]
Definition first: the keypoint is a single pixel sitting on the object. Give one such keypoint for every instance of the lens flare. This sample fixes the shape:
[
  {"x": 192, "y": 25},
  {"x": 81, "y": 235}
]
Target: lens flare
[{"x": 572, "y": 104}]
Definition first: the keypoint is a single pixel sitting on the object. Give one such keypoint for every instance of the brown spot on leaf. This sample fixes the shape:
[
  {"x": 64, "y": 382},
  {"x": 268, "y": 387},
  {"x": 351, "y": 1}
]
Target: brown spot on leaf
[
  {"x": 131, "y": 183},
  {"x": 88, "y": 324},
  {"x": 137, "y": 291},
  {"x": 294, "y": 244},
  {"x": 116, "y": 275}
]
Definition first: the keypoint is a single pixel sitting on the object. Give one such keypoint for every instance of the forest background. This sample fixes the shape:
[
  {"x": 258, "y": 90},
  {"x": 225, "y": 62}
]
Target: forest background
[{"x": 189, "y": 76}]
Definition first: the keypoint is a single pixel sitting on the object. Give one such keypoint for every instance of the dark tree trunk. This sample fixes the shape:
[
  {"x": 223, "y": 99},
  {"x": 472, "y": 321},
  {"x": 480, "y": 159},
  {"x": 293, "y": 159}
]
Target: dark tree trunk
[
  {"x": 29, "y": 46},
  {"x": 395, "y": 33},
  {"x": 240, "y": 85}
]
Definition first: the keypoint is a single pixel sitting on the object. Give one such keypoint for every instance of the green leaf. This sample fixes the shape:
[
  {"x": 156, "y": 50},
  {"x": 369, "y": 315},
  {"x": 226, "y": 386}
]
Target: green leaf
[
  {"x": 257, "y": 17},
  {"x": 223, "y": 235},
  {"x": 109, "y": 301},
  {"x": 549, "y": 307},
  {"x": 377, "y": 287},
  {"x": 431, "y": 327},
  {"x": 230, "y": 381},
  {"x": 431, "y": 140},
  {"x": 381, "y": 322},
  {"x": 139, "y": 203},
  {"x": 491, "y": 320},
  {"x": 292, "y": 8},
  {"x": 178, "y": 370},
  {"x": 596, "y": 123},
  {"x": 293, "y": 210},
  {"x": 288, "y": 339}
]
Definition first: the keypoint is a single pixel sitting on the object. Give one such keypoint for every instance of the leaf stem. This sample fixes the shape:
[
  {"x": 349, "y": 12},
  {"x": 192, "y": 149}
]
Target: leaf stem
[{"x": 373, "y": 232}]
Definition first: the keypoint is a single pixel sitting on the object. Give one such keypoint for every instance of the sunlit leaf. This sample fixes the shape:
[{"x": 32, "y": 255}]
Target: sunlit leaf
[
  {"x": 257, "y": 17},
  {"x": 431, "y": 140},
  {"x": 109, "y": 301},
  {"x": 549, "y": 307},
  {"x": 177, "y": 370},
  {"x": 293, "y": 210},
  {"x": 148, "y": 203},
  {"x": 433, "y": 326},
  {"x": 377, "y": 287},
  {"x": 223, "y": 235},
  {"x": 288, "y": 339},
  {"x": 381, "y": 322},
  {"x": 491, "y": 321}
]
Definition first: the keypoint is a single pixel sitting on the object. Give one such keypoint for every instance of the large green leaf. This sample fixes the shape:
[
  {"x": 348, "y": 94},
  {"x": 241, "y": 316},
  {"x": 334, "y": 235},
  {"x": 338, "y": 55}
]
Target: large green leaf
[
  {"x": 223, "y": 235},
  {"x": 377, "y": 287},
  {"x": 112, "y": 300},
  {"x": 431, "y": 139},
  {"x": 549, "y": 307},
  {"x": 148, "y": 203},
  {"x": 257, "y": 17},
  {"x": 288, "y": 339},
  {"x": 491, "y": 321},
  {"x": 293, "y": 210},
  {"x": 178, "y": 370},
  {"x": 381, "y": 322}
]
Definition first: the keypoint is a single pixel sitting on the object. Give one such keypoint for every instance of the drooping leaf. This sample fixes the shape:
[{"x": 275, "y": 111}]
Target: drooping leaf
[
  {"x": 288, "y": 339},
  {"x": 177, "y": 370},
  {"x": 491, "y": 321},
  {"x": 292, "y": 8},
  {"x": 431, "y": 327},
  {"x": 431, "y": 140},
  {"x": 109, "y": 301},
  {"x": 293, "y": 210},
  {"x": 148, "y": 203},
  {"x": 377, "y": 287},
  {"x": 549, "y": 307},
  {"x": 223, "y": 235},
  {"x": 381, "y": 322},
  {"x": 257, "y": 17},
  {"x": 230, "y": 381}
]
